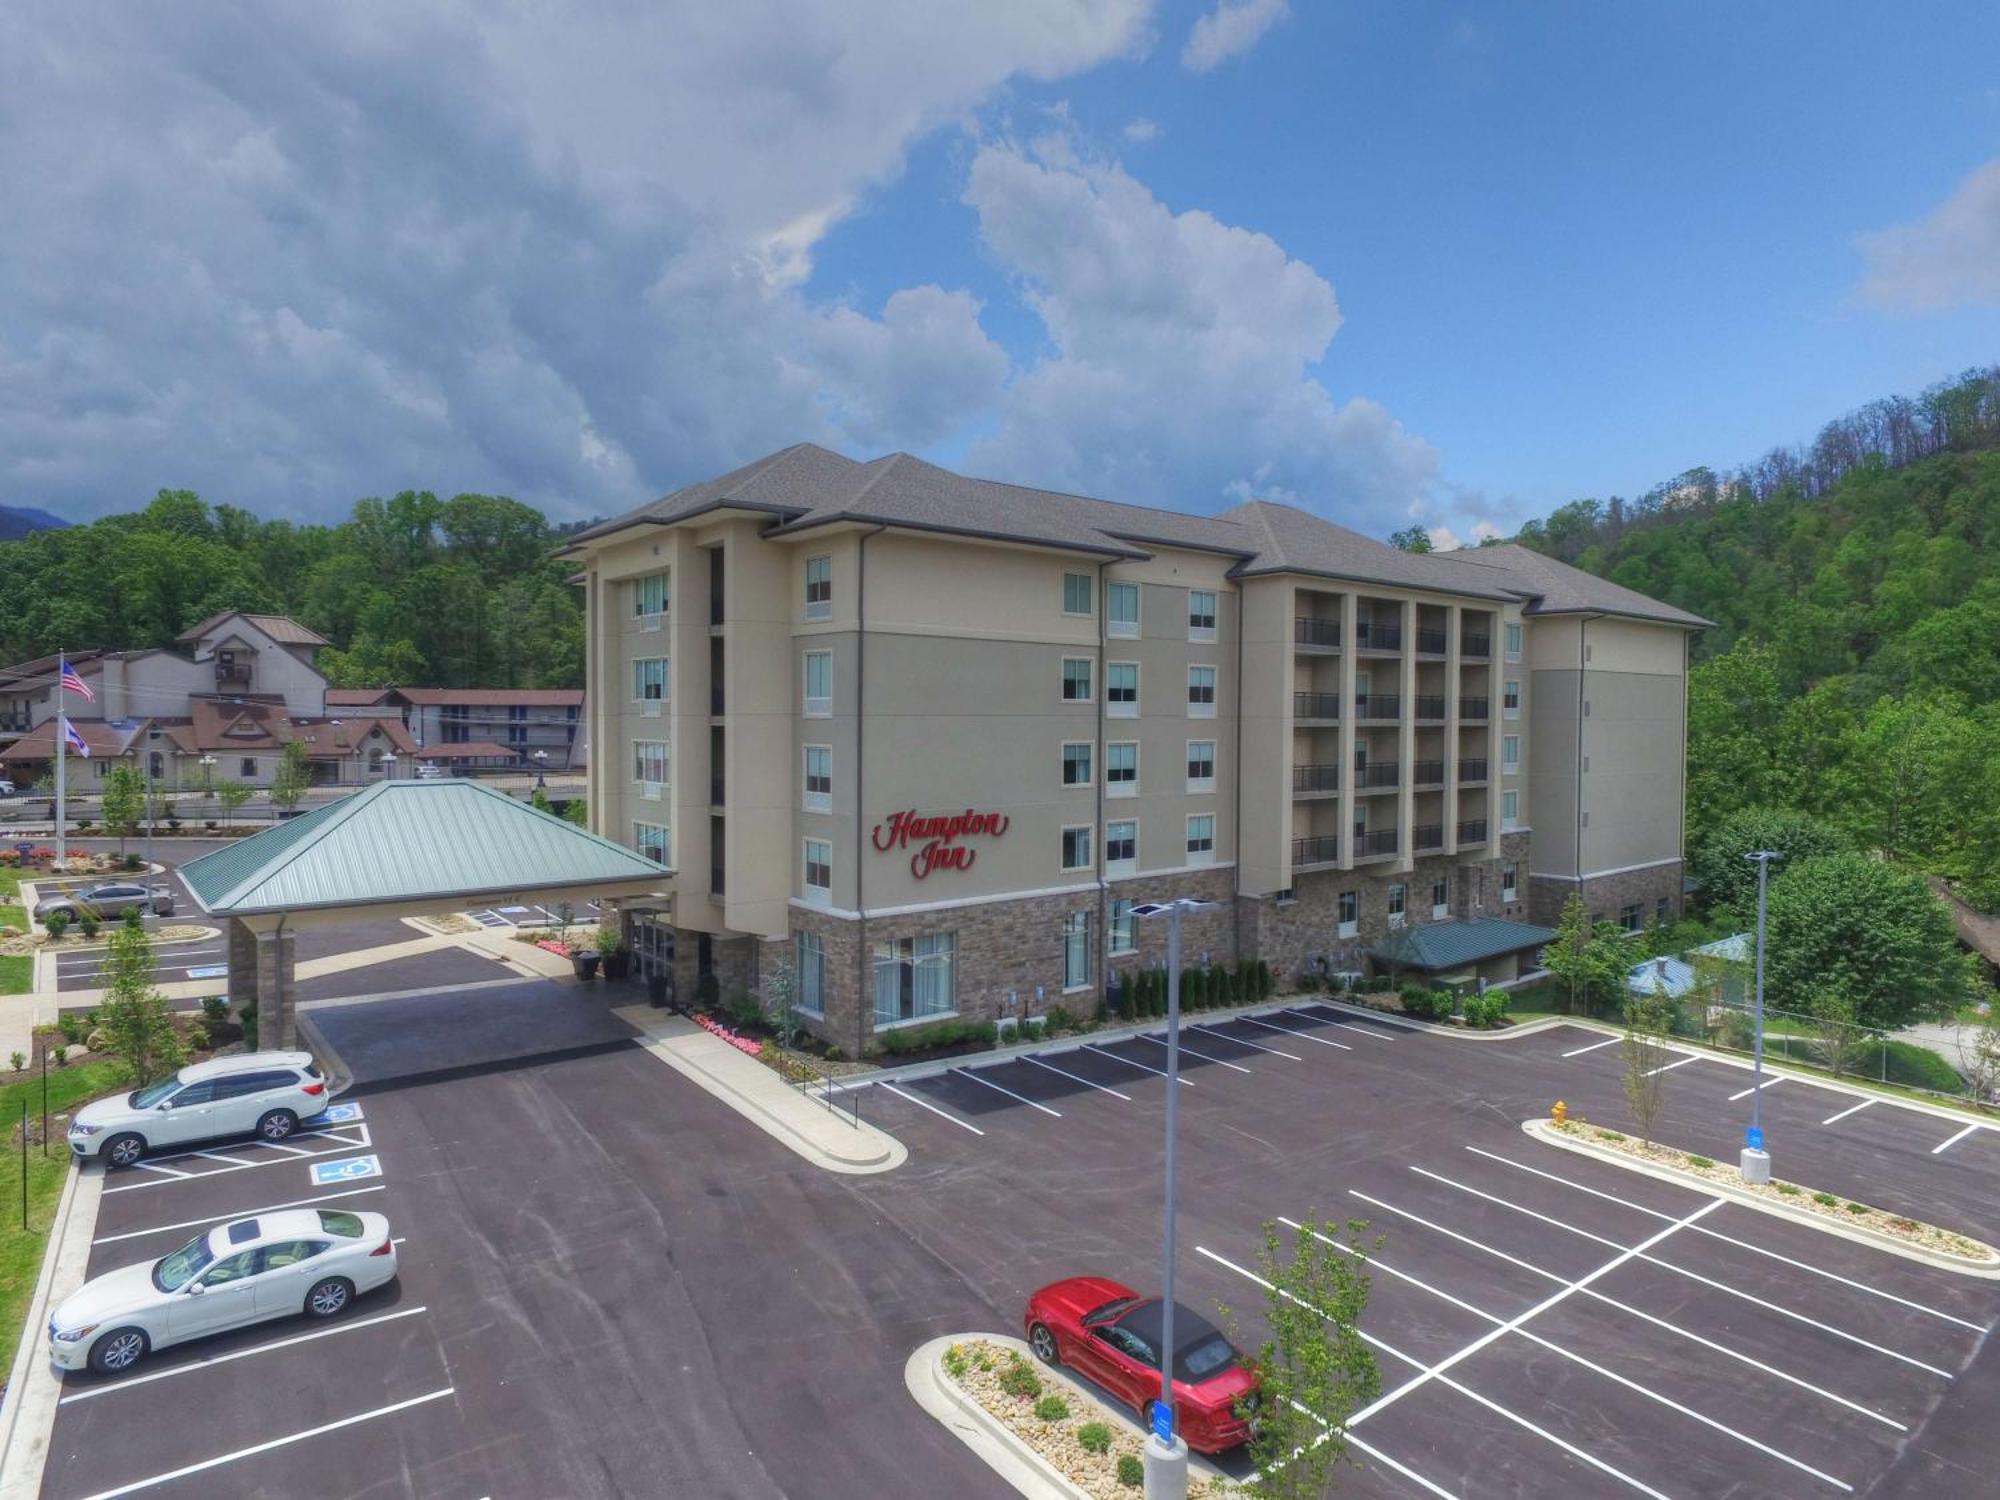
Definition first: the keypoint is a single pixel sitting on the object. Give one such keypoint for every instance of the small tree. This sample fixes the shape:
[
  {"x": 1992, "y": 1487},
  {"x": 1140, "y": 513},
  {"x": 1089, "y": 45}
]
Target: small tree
[
  {"x": 577, "y": 812},
  {"x": 137, "y": 1024},
  {"x": 124, "y": 803},
  {"x": 1590, "y": 961},
  {"x": 293, "y": 776},
  {"x": 538, "y": 799},
  {"x": 1314, "y": 1371},
  {"x": 1649, "y": 1021},
  {"x": 1979, "y": 1055},
  {"x": 232, "y": 795},
  {"x": 781, "y": 1001},
  {"x": 1838, "y": 1037}
]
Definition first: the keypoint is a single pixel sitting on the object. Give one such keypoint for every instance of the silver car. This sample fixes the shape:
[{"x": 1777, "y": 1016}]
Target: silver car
[
  {"x": 265, "y": 1094},
  {"x": 111, "y": 899}
]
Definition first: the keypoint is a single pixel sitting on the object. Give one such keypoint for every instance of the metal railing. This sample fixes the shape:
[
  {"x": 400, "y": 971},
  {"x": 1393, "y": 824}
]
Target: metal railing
[
  {"x": 1430, "y": 707},
  {"x": 1382, "y": 841},
  {"x": 1472, "y": 831},
  {"x": 1377, "y": 706},
  {"x": 1430, "y": 641},
  {"x": 805, "y": 1076},
  {"x": 1379, "y": 774},
  {"x": 1427, "y": 836},
  {"x": 1475, "y": 645},
  {"x": 1315, "y": 705},
  {"x": 1318, "y": 849},
  {"x": 1376, "y": 637},
  {"x": 1308, "y": 630},
  {"x": 1316, "y": 778},
  {"x": 1473, "y": 708},
  {"x": 1427, "y": 773},
  {"x": 1472, "y": 770}
]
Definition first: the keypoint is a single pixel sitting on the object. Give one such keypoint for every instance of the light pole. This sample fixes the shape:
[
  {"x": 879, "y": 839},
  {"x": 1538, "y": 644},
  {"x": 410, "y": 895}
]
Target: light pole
[
  {"x": 208, "y": 775},
  {"x": 1756, "y": 1160},
  {"x": 1166, "y": 1449},
  {"x": 388, "y": 765},
  {"x": 541, "y": 766}
]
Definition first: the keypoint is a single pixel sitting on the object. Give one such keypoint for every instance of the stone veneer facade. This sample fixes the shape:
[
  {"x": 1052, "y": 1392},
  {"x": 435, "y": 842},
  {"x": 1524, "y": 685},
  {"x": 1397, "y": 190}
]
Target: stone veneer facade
[{"x": 1606, "y": 895}]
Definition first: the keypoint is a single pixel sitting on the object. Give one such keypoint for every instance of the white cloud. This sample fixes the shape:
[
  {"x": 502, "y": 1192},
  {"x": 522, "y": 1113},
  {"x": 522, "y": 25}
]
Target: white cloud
[
  {"x": 1181, "y": 353},
  {"x": 1950, "y": 259},
  {"x": 1230, "y": 30},
  {"x": 1141, "y": 131},
  {"x": 1443, "y": 538}
]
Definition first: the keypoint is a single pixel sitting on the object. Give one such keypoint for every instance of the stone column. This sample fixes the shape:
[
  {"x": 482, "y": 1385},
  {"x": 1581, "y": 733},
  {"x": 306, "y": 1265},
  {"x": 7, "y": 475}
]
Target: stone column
[
  {"x": 1406, "y": 738},
  {"x": 1454, "y": 622},
  {"x": 1350, "y": 616},
  {"x": 275, "y": 1000},
  {"x": 242, "y": 955}
]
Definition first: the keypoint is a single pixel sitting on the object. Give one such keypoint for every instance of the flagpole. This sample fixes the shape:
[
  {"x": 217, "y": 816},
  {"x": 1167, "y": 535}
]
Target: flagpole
[{"x": 61, "y": 731}]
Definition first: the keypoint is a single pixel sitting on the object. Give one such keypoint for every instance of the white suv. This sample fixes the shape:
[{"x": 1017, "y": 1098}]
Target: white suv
[{"x": 261, "y": 1093}]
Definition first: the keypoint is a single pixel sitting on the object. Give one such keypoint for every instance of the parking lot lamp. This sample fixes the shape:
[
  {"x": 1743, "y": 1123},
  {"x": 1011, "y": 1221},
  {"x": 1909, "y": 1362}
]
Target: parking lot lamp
[
  {"x": 207, "y": 764},
  {"x": 388, "y": 765},
  {"x": 1167, "y": 1457},
  {"x": 541, "y": 766},
  {"x": 1756, "y": 1160}
]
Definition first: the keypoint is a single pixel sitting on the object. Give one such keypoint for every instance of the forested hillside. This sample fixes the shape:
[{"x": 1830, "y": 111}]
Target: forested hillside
[
  {"x": 443, "y": 593},
  {"x": 1854, "y": 671}
]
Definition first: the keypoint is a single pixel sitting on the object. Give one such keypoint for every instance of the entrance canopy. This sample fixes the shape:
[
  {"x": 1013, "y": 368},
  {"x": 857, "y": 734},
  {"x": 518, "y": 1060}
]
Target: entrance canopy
[
  {"x": 415, "y": 846},
  {"x": 1435, "y": 947}
]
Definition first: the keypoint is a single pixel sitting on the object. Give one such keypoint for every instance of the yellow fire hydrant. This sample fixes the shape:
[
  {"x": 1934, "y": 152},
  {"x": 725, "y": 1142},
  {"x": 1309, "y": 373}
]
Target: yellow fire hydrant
[{"x": 1560, "y": 1112}]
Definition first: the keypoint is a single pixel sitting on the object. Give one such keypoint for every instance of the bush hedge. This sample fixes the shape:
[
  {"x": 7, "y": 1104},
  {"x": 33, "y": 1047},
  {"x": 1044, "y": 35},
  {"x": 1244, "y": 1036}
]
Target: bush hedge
[
  {"x": 1919, "y": 1067},
  {"x": 939, "y": 1034}
]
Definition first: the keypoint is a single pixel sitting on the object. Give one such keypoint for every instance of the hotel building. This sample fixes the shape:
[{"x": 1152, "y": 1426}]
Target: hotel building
[{"x": 926, "y": 739}]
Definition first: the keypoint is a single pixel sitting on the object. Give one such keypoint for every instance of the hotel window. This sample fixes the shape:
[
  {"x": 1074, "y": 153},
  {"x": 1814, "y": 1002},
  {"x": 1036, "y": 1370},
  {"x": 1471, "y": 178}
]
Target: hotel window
[
  {"x": 1510, "y": 877},
  {"x": 1076, "y": 679},
  {"x": 1121, "y": 847},
  {"x": 1121, "y": 927},
  {"x": 1513, "y": 642},
  {"x": 811, "y": 966},
  {"x": 1663, "y": 911},
  {"x": 819, "y": 684},
  {"x": 1510, "y": 810},
  {"x": 1201, "y": 692},
  {"x": 1076, "y": 950},
  {"x": 1076, "y": 848},
  {"x": 517, "y": 734},
  {"x": 1201, "y": 615},
  {"x": 1632, "y": 916},
  {"x": 819, "y": 871},
  {"x": 819, "y": 588},
  {"x": 1076, "y": 594},
  {"x": 1121, "y": 690},
  {"x": 1350, "y": 913},
  {"x": 248, "y": 768},
  {"x": 1510, "y": 753},
  {"x": 650, "y": 839},
  {"x": 649, "y": 684},
  {"x": 914, "y": 978},
  {"x": 1201, "y": 838},
  {"x": 1121, "y": 609},
  {"x": 649, "y": 599},
  {"x": 1398, "y": 895},
  {"x": 1201, "y": 766},
  {"x": 1440, "y": 898},
  {"x": 1510, "y": 699},
  {"x": 819, "y": 778},
  {"x": 1076, "y": 763},
  {"x": 1121, "y": 769},
  {"x": 649, "y": 759}
]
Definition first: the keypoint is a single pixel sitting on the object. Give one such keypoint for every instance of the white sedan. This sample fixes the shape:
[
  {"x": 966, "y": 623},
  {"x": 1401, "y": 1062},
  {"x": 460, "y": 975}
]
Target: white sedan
[{"x": 276, "y": 1265}]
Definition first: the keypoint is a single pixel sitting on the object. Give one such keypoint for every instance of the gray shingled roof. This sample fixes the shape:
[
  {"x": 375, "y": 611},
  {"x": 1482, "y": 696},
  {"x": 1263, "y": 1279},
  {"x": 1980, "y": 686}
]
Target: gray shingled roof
[
  {"x": 1559, "y": 589},
  {"x": 1435, "y": 946}
]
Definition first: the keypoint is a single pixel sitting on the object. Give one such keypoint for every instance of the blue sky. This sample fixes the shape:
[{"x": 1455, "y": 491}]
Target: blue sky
[{"x": 1390, "y": 261}]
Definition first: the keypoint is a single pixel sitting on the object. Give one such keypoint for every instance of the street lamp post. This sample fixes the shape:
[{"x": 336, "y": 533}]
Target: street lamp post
[
  {"x": 208, "y": 775},
  {"x": 1756, "y": 1160},
  {"x": 388, "y": 765},
  {"x": 541, "y": 767},
  {"x": 1166, "y": 1449}
]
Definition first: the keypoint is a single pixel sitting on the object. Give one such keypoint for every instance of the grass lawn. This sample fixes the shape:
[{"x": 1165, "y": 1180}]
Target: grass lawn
[
  {"x": 15, "y": 973},
  {"x": 1535, "y": 1002},
  {"x": 21, "y": 1250}
]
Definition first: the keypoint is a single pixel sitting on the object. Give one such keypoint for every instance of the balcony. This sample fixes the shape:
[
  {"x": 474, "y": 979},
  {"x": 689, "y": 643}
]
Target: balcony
[
  {"x": 1310, "y": 631},
  {"x": 1475, "y": 645},
  {"x": 1427, "y": 773},
  {"x": 1472, "y": 831},
  {"x": 1370, "y": 636},
  {"x": 1430, "y": 708},
  {"x": 1472, "y": 772},
  {"x": 1384, "y": 708},
  {"x": 1315, "y": 781},
  {"x": 1382, "y": 776},
  {"x": 1316, "y": 851},
  {"x": 1427, "y": 836},
  {"x": 1378, "y": 845},
  {"x": 1470, "y": 709},
  {"x": 1431, "y": 642},
  {"x": 1315, "y": 705}
]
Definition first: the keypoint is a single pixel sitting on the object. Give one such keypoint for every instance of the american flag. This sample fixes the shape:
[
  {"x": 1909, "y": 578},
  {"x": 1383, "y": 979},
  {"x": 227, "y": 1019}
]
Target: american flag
[
  {"x": 73, "y": 683},
  {"x": 74, "y": 740}
]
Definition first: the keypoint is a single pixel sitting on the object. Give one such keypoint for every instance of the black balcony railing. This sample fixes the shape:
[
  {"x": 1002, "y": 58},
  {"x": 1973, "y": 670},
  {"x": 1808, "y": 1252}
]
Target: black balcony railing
[
  {"x": 1383, "y": 773},
  {"x": 1320, "y": 849},
  {"x": 1315, "y": 705},
  {"x": 1473, "y": 708},
  {"x": 1382, "y": 841},
  {"x": 1316, "y": 778},
  {"x": 1475, "y": 645},
  {"x": 1472, "y": 831},
  {"x": 1377, "y": 706},
  {"x": 1309, "y": 631},
  {"x": 1427, "y": 836},
  {"x": 1431, "y": 642},
  {"x": 1374, "y": 637},
  {"x": 1430, "y": 708},
  {"x": 1472, "y": 770},
  {"x": 1427, "y": 773}
]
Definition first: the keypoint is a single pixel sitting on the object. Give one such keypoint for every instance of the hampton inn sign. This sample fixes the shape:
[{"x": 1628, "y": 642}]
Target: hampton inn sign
[{"x": 935, "y": 841}]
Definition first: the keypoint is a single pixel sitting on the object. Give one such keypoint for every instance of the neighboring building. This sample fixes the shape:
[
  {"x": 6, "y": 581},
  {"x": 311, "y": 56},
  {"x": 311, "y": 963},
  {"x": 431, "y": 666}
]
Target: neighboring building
[
  {"x": 485, "y": 726},
  {"x": 929, "y": 738},
  {"x": 1674, "y": 975}
]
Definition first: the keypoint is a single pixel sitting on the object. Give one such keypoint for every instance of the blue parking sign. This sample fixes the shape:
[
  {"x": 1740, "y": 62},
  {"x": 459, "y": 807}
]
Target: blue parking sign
[
  {"x": 1754, "y": 1138},
  {"x": 325, "y": 1173},
  {"x": 1163, "y": 1422}
]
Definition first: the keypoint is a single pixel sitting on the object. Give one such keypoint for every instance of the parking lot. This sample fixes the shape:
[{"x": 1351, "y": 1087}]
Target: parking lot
[{"x": 612, "y": 1286}]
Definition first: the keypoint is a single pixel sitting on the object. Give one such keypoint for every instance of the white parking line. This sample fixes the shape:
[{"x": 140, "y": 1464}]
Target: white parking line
[
  {"x": 1237, "y": 1041},
  {"x": 153, "y": 1166},
  {"x": 1639, "y": 1254},
  {"x": 1115, "y": 1057},
  {"x": 1851, "y": 1109},
  {"x": 341, "y": 1143},
  {"x": 1730, "y": 1239},
  {"x": 1304, "y": 1036},
  {"x": 1075, "y": 1078},
  {"x": 1364, "y": 1030},
  {"x": 1939, "y": 1150},
  {"x": 1681, "y": 1062},
  {"x": 247, "y": 1213},
  {"x": 1023, "y": 1098},
  {"x": 1770, "y": 1082},
  {"x": 234, "y": 1161},
  {"x": 325, "y": 1133},
  {"x": 265, "y": 1447},
  {"x": 1408, "y": 1473},
  {"x": 288, "y": 1150},
  {"x": 128, "y": 1382},
  {"x": 1610, "y": 1041},
  {"x": 1205, "y": 1057},
  {"x": 926, "y": 1104}
]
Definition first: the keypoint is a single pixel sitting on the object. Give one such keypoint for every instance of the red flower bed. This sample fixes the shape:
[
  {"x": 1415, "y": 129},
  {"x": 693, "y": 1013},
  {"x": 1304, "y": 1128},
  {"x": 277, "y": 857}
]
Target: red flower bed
[
  {"x": 739, "y": 1042},
  {"x": 552, "y": 945}
]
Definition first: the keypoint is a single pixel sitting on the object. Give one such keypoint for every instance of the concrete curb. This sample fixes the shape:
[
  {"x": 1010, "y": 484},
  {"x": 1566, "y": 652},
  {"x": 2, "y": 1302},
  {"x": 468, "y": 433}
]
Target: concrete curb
[
  {"x": 339, "y": 1077},
  {"x": 765, "y": 1099},
  {"x": 33, "y": 1388},
  {"x": 1543, "y": 1132},
  {"x": 1456, "y": 1033}
]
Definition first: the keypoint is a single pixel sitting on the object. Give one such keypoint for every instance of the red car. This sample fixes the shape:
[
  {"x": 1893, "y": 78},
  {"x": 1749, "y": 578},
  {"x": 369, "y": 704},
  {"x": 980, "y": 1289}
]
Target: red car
[{"x": 1111, "y": 1334}]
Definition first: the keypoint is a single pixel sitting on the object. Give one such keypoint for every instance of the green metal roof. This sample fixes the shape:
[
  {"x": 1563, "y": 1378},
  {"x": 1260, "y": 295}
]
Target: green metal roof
[
  {"x": 406, "y": 841},
  {"x": 1445, "y": 945}
]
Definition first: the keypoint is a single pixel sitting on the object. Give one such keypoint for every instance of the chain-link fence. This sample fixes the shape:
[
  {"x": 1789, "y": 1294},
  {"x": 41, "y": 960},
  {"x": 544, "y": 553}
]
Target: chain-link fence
[{"x": 1833, "y": 1046}]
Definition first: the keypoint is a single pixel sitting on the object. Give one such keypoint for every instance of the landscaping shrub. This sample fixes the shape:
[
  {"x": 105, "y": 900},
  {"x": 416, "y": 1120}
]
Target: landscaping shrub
[
  {"x": 1825, "y": 1200},
  {"x": 17, "y": 1060},
  {"x": 1123, "y": 1000},
  {"x": 1700, "y": 1161},
  {"x": 247, "y": 1019},
  {"x": 1789, "y": 1189},
  {"x": 214, "y": 1009},
  {"x": 1919, "y": 1067},
  {"x": 1131, "y": 1472},
  {"x": 71, "y": 1024},
  {"x": 1052, "y": 1409},
  {"x": 1018, "y": 1380},
  {"x": 1857, "y": 1208},
  {"x": 87, "y": 924},
  {"x": 743, "y": 1010},
  {"x": 57, "y": 923},
  {"x": 1094, "y": 1437},
  {"x": 1057, "y": 1021},
  {"x": 60, "y": 1056},
  {"x": 955, "y": 1362}
]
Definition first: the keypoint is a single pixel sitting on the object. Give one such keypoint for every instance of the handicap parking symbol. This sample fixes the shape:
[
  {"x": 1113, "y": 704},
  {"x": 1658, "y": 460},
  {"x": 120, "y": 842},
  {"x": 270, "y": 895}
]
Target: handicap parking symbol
[
  {"x": 338, "y": 1114},
  {"x": 325, "y": 1173}
]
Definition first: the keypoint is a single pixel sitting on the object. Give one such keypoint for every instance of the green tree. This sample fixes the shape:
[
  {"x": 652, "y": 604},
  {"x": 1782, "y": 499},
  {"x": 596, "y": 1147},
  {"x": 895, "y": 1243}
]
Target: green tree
[
  {"x": 577, "y": 812},
  {"x": 1849, "y": 926},
  {"x": 124, "y": 803},
  {"x": 538, "y": 799},
  {"x": 232, "y": 795},
  {"x": 1838, "y": 1035},
  {"x": 1726, "y": 877},
  {"x": 1589, "y": 961},
  {"x": 1649, "y": 1022},
  {"x": 293, "y": 776},
  {"x": 136, "y": 1021},
  {"x": 1411, "y": 539}
]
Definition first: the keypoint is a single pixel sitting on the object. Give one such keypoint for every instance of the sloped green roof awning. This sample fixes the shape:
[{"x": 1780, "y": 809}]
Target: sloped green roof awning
[
  {"x": 410, "y": 841},
  {"x": 1445, "y": 945}
]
